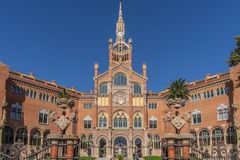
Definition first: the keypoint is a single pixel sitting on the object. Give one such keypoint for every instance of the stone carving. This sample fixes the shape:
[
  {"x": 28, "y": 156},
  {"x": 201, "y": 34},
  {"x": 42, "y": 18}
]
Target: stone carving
[
  {"x": 187, "y": 117},
  {"x": 65, "y": 103},
  {"x": 168, "y": 116},
  {"x": 235, "y": 118},
  {"x": 177, "y": 102},
  {"x": 62, "y": 122},
  {"x": 52, "y": 116},
  {"x": 73, "y": 117},
  {"x": 120, "y": 98},
  {"x": 178, "y": 122},
  {"x": 4, "y": 112}
]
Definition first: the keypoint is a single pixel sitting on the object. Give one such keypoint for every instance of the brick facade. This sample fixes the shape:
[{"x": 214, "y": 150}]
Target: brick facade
[{"x": 212, "y": 97}]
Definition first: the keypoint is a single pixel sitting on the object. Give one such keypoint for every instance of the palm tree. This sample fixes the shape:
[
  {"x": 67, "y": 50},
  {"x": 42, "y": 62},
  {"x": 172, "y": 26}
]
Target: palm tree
[
  {"x": 234, "y": 58},
  {"x": 178, "y": 92},
  {"x": 63, "y": 94}
]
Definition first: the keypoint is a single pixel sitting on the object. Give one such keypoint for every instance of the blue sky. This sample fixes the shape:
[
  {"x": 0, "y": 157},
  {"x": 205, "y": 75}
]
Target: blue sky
[{"x": 62, "y": 39}]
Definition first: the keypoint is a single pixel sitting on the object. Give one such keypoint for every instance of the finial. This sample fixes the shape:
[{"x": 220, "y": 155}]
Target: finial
[{"x": 120, "y": 11}]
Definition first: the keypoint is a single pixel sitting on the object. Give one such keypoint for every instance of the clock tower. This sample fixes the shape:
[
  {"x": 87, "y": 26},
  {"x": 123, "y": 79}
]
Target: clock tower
[{"x": 120, "y": 52}]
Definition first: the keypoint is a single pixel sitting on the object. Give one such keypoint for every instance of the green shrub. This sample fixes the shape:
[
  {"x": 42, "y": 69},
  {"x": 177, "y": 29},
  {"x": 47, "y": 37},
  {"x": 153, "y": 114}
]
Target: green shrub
[
  {"x": 152, "y": 158},
  {"x": 87, "y": 158},
  {"x": 120, "y": 157}
]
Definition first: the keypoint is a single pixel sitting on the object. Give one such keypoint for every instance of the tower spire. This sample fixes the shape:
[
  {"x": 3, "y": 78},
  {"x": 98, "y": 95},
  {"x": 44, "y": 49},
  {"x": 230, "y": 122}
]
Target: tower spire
[
  {"x": 120, "y": 28},
  {"x": 120, "y": 12}
]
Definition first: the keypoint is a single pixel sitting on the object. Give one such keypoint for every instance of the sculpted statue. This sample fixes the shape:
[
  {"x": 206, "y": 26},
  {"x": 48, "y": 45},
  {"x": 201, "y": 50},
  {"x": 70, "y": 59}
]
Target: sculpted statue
[
  {"x": 235, "y": 118},
  {"x": 187, "y": 116},
  {"x": 168, "y": 116},
  {"x": 52, "y": 116},
  {"x": 73, "y": 117},
  {"x": 4, "y": 111}
]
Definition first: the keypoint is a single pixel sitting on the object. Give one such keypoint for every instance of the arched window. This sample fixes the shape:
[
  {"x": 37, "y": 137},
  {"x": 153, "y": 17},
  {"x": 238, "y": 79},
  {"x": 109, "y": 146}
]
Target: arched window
[
  {"x": 153, "y": 122},
  {"x": 196, "y": 117},
  {"x": 231, "y": 135},
  {"x": 16, "y": 111},
  {"x": 138, "y": 121},
  {"x": 35, "y": 138},
  {"x": 217, "y": 137},
  {"x": 12, "y": 89},
  {"x": 211, "y": 94},
  {"x": 218, "y": 92},
  {"x": 87, "y": 105},
  {"x": 83, "y": 142},
  {"x": 88, "y": 122},
  {"x": 120, "y": 120},
  {"x": 22, "y": 135},
  {"x": 103, "y": 89},
  {"x": 43, "y": 116},
  {"x": 204, "y": 95},
  {"x": 222, "y": 112},
  {"x": 47, "y": 97},
  {"x": 103, "y": 121},
  {"x": 152, "y": 105},
  {"x": 120, "y": 47},
  {"x": 120, "y": 79},
  {"x": 35, "y": 94},
  {"x": 7, "y": 136},
  {"x": 27, "y": 93},
  {"x": 204, "y": 138},
  {"x": 221, "y": 91},
  {"x": 138, "y": 142},
  {"x": 44, "y": 97},
  {"x": 208, "y": 94},
  {"x": 137, "y": 89},
  {"x": 17, "y": 90},
  {"x": 155, "y": 141},
  {"x": 31, "y": 94},
  {"x": 40, "y": 96}
]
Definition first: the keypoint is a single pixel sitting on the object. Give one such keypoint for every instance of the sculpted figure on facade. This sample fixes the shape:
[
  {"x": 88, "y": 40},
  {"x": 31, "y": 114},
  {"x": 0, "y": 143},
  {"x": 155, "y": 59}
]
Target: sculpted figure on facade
[
  {"x": 4, "y": 111},
  {"x": 187, "y": 116},
  {"x": 52, "y": 116},
  {"x": 168, "y": 116}
]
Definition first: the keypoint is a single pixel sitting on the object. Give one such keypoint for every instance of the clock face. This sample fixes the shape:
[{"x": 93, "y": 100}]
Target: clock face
[
  {"x": 120, "y": 98},
  {"x": 120, "y": 34}
]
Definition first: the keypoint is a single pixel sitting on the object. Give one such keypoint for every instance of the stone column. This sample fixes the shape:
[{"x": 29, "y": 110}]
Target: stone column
[
  {"x": 70, "y": 150},
  {"x": 186, "y": 150},
  {"x": 54, "y": 150},
  {"x": 1, "y": 134},
  {"x": 171, "y": 150}
]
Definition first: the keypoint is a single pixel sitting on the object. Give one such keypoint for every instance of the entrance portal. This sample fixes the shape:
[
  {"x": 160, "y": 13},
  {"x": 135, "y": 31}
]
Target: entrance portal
[
  {"x": 102, "y": 148},
  {"x": 120, "y": 146},
  {"x": 138, "y": 150}
]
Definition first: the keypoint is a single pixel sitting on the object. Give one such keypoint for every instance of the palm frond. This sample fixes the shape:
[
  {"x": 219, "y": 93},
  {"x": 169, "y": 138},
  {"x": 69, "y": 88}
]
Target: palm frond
[{"x": 178, "y": 89}]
